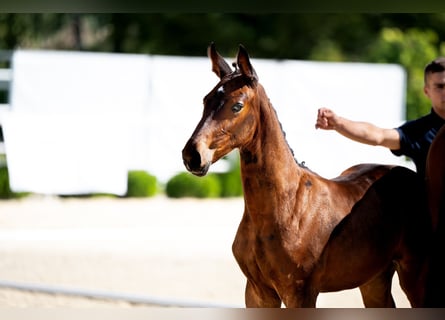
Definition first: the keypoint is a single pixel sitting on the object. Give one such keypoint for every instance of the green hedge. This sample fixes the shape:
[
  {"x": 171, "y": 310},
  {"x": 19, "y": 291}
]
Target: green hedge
[
  {"x": 185, "y": 184},
  {"x": 141, "y": 184},
  {"x": 223, "y": 185},
  {"x": 5, "y": 190},
  {"x": 227, "y": 184},
  {"x": 231, "y": 185}
]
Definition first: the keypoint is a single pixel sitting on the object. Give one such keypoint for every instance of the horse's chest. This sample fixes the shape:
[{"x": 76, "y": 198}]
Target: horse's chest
[{"x": 263, "y": 257}]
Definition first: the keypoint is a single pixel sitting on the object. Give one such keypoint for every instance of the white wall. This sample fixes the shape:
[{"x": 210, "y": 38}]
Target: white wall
[
  {"x": 370, "y": 92},
  {"x": 109, "y": 113}
]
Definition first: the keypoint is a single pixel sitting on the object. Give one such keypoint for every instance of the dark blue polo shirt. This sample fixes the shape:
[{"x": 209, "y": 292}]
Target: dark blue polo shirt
[{"x": 416, "y": 137}]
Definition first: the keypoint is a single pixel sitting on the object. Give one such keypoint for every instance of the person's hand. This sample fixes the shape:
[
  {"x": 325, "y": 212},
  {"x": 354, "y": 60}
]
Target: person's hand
[{"x": 326, "y": 119}]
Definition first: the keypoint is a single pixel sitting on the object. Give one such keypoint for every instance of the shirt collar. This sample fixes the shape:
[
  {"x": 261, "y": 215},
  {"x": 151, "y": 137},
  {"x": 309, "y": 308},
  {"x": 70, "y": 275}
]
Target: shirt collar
[{"x": 436, "y": 117}]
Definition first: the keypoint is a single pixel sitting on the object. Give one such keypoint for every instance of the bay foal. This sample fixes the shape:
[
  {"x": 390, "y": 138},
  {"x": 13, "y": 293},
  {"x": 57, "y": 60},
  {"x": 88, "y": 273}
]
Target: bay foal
[{"x": 302, "y": 234}]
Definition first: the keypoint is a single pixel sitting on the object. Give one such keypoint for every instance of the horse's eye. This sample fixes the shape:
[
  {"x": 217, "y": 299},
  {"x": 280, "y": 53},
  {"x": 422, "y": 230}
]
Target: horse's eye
[{"x": 237, "y": 107}]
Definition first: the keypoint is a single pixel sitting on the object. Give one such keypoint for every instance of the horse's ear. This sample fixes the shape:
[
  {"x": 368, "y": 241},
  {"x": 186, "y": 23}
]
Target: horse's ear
[
  {"x": 244, "y": 64},
  {"x": 219, "y": 65}
]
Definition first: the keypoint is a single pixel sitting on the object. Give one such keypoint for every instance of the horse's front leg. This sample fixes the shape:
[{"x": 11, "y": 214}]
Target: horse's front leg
[
  {"x": 260, "y": 296},
  {"x": 302, "y": 301},
  {"x": 300, "y": 295}
]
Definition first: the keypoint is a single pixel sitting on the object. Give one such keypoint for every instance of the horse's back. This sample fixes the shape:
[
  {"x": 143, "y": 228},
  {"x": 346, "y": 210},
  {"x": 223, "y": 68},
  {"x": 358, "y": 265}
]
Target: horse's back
[
  {"x": 360, "y": 171},
  {"x": 358, "y": 178}
]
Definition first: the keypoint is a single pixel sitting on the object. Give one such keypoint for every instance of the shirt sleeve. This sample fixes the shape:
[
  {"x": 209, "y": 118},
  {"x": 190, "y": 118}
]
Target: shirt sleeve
[{"x": 401, "y": 151}]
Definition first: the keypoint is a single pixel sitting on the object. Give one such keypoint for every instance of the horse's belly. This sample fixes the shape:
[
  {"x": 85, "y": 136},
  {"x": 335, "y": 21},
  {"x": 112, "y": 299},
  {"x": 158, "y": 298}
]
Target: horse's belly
[{"x": 348, "y": 278}]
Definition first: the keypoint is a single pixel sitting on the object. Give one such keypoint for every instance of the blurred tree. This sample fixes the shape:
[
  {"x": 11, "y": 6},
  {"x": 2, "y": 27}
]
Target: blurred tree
[
  {"x": 409, "y": 39},
  {"x": 27, "y": 30},
  {"x": 277, "y": 35},
  {"x": 413, "y": 49}
]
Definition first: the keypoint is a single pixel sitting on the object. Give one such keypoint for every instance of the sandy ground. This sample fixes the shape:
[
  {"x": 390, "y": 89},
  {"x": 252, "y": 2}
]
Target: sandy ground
[{"x": 160, "y": 249}]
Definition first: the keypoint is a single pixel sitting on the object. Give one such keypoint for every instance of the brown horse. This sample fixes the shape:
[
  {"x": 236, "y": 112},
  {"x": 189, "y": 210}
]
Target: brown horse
[
  {"x": 435, "y": 185},
  {"x": 302, "y": 234},
  {"x": 435, "y": 177}
]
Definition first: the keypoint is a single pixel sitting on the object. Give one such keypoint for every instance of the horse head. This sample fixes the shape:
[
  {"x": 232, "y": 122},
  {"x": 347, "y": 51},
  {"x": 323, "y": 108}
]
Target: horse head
[{"x": 229, "y": 119}]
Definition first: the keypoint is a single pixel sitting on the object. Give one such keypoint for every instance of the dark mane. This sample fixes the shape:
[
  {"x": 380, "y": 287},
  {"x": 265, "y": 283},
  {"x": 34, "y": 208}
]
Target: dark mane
[{"x": 301, "y": 164}]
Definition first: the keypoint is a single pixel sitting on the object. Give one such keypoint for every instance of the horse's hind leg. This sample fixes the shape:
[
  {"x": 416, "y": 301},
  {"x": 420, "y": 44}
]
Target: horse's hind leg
[
  {"x": 413, "y": 275},
  {"x": 376, "y": 293},
  {"x": 413, "y": 284}
]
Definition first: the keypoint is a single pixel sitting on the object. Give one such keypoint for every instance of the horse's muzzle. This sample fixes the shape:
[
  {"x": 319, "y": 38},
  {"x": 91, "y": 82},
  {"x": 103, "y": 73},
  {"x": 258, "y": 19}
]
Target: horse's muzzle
[{"x": 193, "y": 161}]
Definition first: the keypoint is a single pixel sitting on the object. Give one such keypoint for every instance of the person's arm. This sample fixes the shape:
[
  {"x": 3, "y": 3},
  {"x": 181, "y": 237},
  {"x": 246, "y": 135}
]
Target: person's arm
[{"x": 359, "y": 131}]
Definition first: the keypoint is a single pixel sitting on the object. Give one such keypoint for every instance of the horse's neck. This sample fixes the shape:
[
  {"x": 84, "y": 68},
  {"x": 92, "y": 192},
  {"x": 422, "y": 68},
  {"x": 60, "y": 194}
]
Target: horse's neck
[{"x": 268, "y": 168}]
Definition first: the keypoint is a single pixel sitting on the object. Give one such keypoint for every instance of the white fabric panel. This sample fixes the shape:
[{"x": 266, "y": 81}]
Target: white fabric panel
[
  {"x": 72, "y": 119},
  {"x": 80, "y": 121},
  {"x": 359, "y": 91},
  {"x": 65, "y": 154},
  {"x": 64, "y": 81}
]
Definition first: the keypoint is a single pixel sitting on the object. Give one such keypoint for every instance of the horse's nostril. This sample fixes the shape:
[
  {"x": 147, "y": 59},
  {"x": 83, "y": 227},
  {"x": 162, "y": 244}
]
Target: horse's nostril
[
  {"x": 191, "y": 157},
  {"x": 195, "y": 159}
]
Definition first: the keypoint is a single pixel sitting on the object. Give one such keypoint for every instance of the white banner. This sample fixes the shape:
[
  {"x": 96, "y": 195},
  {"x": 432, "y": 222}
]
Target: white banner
[{"x": 79, "y": 121}]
